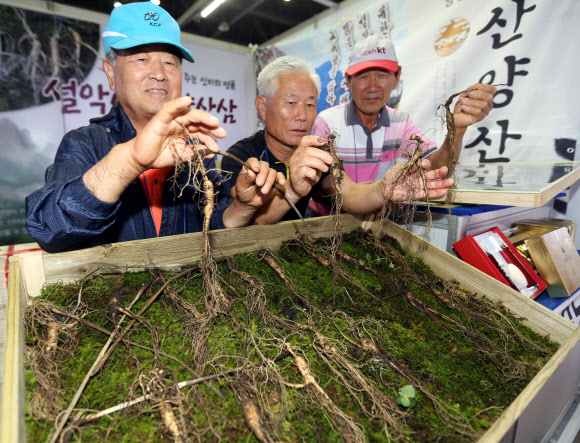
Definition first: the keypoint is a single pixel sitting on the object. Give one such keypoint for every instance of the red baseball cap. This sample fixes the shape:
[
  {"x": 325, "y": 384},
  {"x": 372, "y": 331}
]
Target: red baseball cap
[{"x": 373, "y": 52}]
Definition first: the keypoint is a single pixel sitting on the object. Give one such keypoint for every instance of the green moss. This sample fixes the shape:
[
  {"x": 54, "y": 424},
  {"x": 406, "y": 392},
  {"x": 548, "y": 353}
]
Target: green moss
[{"x": 438, "y": 355}]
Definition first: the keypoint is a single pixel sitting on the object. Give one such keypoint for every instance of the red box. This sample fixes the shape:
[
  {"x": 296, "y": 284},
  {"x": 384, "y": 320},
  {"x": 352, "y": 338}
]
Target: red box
[{"x": 491, "y": 252}]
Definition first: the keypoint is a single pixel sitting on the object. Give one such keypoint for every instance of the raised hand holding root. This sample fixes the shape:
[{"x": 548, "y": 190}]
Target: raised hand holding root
[
  {"x": 253, "y": 190},
  {"x": 161, "y": 143},
  {"x": 473, "y": 105},
  {"x": 166, "y": 135},
  {"x": 402, "y": 183},
  {"x": 307, "y": 164},
  {"x": 256, "y": 184}
]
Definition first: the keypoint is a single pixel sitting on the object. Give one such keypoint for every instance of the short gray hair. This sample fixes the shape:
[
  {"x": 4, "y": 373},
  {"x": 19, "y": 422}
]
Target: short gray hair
[
  {"x": 268, "y": 78},
  {"x": 112, "y": 56}
]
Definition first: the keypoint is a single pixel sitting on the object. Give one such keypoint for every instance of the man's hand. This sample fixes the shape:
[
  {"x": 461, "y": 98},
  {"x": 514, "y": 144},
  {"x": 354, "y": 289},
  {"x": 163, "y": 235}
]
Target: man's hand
[
  {"x": 160, "y": 144},
  {"x": 307, "y": 164},
  {"x": 398, "y": 184},
  {"x": 255, "y": 186},
  {"x": 164, "y": 139},
  {"x": 410, "y": 186},
  {"x": 473, "y": 106}
]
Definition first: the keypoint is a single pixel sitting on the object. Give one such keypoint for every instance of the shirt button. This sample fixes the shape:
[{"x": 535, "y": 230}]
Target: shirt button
[{"x": 108, "y": 129}]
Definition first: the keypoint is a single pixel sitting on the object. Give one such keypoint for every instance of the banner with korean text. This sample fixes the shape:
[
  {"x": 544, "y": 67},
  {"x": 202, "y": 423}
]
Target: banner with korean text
[
  {"x": 527, "y": 48},
  {"x": 52, "y": 81}
]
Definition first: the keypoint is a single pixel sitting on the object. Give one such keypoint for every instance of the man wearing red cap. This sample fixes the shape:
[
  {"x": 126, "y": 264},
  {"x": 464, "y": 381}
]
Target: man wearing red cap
[
  {"x": 371, "y": 135},
  {"x": 115, "y": 180}
]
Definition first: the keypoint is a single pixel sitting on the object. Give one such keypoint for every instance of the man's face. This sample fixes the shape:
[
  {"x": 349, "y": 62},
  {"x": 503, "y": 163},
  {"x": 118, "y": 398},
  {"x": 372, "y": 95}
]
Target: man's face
[
  {"x": 144, "y": 78},
  {"x": 290, "y": 113},
  {"x": 371, "y": 89}
]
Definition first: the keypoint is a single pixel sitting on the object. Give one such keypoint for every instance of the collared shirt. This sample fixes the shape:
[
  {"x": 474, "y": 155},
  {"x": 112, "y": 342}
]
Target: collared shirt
[{"x": 367, "y": 155}]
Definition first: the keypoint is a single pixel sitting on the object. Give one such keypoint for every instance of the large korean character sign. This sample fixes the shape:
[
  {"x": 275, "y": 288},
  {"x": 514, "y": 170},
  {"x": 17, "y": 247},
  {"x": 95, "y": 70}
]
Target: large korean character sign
[{"x": 527, "y": 48}]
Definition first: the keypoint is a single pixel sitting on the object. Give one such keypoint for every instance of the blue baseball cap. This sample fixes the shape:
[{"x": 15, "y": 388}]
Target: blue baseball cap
[{"x": 142, "y": 23}]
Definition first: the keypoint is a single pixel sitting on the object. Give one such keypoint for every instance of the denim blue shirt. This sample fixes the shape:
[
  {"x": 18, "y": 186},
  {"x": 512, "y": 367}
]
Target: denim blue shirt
[{"x": 64, "y": 215}]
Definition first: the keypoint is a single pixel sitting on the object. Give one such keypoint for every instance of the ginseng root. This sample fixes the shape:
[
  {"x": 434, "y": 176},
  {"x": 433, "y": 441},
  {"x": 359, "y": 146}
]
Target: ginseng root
[
  {"x": 383, "y": 408},
  {"x": 349, "y": 429},
  {"x": 153, "y": 385},
  {"x": 268, "y": 256}
]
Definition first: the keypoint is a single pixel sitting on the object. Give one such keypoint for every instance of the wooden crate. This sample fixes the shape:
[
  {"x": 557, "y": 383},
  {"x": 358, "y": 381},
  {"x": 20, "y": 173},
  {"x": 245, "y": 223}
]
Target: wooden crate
[{"x": 527, "y": 419}]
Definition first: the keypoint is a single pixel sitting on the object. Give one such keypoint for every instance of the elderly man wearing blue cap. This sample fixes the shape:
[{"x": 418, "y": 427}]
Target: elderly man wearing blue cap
[
  {"x": 115, "y": 179},
  {"x": 371, "y": 135}
]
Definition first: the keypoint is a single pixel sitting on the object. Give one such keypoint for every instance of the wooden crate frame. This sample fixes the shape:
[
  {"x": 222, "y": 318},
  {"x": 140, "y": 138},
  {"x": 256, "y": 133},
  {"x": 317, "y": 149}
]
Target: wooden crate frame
[{"x": 528, "y": 418}]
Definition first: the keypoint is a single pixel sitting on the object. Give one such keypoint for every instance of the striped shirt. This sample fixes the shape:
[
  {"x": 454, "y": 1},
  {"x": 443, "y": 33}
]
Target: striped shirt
[{"x": 367, "y": 155}]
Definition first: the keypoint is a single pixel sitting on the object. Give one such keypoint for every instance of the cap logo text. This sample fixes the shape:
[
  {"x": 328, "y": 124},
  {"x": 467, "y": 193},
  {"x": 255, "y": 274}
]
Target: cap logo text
[
  {"x": 151, "y": 16},
  {"x": 379, "y": 50},
  {"x": 372, "y": 51}
]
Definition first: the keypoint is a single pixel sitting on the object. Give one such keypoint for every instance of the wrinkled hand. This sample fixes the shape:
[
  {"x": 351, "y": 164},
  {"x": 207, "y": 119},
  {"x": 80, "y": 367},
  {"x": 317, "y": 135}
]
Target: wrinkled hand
[
  {"x": 163, "y": 140},
  {"x": 307, "y": 164},
  {"x": 255, "y": 186},
  {"x": 411, "y": 186},
  {"x": 473, "y": 106}
]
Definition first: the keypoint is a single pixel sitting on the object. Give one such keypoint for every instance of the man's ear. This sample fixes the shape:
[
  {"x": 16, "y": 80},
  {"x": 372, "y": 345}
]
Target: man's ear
[
  {"x": 262, "y": 106},
  {"x": 109, "y": 70},
  {"x": 347, "y": 78},
  {"x": 398, "y": 76}
]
